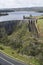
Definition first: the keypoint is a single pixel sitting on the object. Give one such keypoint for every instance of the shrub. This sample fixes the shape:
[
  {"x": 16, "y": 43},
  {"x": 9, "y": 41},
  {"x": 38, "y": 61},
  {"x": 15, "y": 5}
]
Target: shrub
[
  {"x": 12, "y": 52},
  {"x": 1, "y": 48}
]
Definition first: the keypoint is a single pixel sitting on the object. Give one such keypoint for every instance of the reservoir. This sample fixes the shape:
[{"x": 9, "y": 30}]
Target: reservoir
[{"x": 18, "y": 15}]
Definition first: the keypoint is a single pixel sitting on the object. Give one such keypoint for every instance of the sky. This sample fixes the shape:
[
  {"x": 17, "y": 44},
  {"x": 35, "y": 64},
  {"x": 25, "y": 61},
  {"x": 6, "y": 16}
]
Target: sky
[{"x": 20, "y": 3}]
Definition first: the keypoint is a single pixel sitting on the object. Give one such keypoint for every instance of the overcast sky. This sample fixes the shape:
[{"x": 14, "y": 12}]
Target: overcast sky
[{"x": 20, "y": 3}]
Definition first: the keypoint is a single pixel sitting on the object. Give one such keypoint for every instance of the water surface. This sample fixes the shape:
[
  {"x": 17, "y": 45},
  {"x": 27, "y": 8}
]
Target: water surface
[{"x": 18, "y": 15}]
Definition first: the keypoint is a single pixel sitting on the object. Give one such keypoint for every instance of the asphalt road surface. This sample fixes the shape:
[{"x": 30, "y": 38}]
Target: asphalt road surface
[{"x": 6, "y": 60}]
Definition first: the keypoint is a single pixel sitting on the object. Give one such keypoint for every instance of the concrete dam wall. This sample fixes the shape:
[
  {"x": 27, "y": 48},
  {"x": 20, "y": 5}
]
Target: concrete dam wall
[{"x": 11, "y": 25}]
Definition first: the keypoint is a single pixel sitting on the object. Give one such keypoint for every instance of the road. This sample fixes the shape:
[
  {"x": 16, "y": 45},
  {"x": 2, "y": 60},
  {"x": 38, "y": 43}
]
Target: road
[{"x": 6, "y": 60}]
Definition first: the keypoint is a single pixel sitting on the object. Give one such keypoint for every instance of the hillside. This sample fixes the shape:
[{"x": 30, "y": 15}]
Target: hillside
[
  {"x": 23, "y": 41},
  {"x": 37, "y": 9}
]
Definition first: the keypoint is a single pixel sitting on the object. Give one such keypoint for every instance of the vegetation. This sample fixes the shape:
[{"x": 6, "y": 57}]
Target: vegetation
[
  {"x": 22, "y": 44},
  {"x": 23, "y": 58}
]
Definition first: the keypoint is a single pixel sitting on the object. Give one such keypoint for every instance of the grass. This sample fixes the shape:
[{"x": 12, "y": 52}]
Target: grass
[
  {"x": 40, "y": 25},
  {"x": 40, "y": 28},
  {"x": 15, "y": 55}
]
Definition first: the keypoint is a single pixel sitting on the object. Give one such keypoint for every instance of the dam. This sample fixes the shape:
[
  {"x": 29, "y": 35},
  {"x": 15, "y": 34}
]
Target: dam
[{"x": 9, "y": 24}]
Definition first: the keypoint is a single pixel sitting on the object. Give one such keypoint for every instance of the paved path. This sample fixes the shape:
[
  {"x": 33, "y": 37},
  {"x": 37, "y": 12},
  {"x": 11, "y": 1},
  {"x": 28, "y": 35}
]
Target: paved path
[{"x": 6, "y": 60}]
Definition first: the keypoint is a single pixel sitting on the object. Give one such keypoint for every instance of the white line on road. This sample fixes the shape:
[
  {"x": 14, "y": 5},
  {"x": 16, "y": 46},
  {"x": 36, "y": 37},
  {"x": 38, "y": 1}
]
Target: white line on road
[
  {"x": 7, "y": 61},
  {"x": 11, "y": 57}
]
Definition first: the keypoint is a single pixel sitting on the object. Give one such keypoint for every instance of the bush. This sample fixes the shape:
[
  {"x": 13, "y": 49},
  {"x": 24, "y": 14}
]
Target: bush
[
  {"x": 12, "y": 52},
  {"x": 1, "y": 48}
]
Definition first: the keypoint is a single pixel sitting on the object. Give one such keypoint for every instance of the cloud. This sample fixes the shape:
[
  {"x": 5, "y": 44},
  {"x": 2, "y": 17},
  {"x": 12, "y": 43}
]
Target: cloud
[{"x": 20, "y": 3}]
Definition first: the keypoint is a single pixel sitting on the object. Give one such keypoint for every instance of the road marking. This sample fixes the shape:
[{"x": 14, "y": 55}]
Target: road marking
[
  {"x": 11, "y": 57},
  {"x": 7, "y": 61}
]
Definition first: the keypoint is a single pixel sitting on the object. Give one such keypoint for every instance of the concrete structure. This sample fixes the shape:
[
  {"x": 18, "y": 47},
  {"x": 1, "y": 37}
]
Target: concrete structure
[
  {"x": 12, "y": 22},
  {"x": 32, "y": 25}
]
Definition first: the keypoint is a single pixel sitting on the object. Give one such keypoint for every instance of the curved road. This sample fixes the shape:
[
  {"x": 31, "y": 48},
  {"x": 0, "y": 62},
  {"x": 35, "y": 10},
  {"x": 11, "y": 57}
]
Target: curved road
[{"x": 6, "y": 60}]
